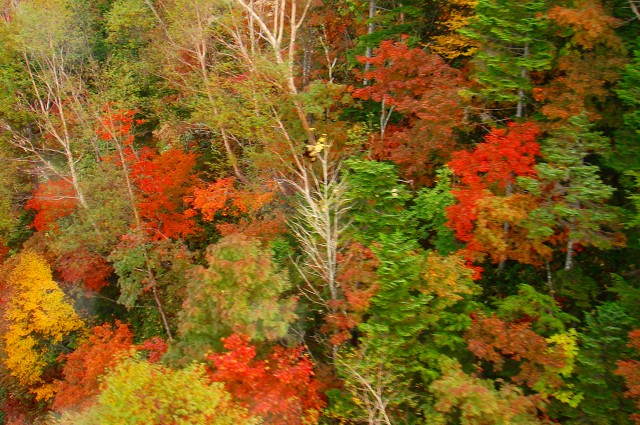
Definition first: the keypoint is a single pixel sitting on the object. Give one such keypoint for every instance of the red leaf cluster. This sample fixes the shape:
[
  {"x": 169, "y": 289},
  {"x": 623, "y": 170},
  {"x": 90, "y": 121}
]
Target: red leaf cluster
[
  {"x": 630, "y": 371},
  {"x": 423, "y": 88},
  {"x": 88, "y": 362},
  {"x": 117, "y": 124},
  {"x": 155, "y": 347},
  {"x": 53, "y": 199},
  {"x": 489, "y": 170},
  {"x": 83, "y": 266},
  {"x": 494, "y": 340},
  {"x": 280, "y": 388},
  {"x": 164, "y": 181}
]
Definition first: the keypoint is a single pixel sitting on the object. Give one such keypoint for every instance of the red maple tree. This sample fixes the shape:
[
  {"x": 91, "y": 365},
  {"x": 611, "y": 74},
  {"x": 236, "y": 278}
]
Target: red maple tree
[
  {"x": 496, "y": 341},
  {"x": 86, "y": 267},
  {"x": 52, "y": 200},
  {"x": 490, "y": 171},
  {"x": 164, "y": 181},
  {"x": 83, "y": 368},
  {"x": 280, "y": 388},
  {"x": 424, "y": 90}
]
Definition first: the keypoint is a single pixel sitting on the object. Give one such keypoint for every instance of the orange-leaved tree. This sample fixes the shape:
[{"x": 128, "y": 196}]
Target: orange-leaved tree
[
  {"x": 630, "y": 371},
  {"x": 237, "y": 210},
  {"x": 52, "y": 200},
  {"x": 424, "y": 89},
  {"x": 163, "y": 181},
  {"x": 281, "y": 388},
  {"x": 84, "y": 366},
  {"x": 487, "y": 190}
]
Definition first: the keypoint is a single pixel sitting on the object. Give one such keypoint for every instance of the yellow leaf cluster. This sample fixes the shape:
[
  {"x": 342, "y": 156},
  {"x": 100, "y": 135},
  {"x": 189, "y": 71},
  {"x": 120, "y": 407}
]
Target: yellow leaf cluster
[
  {"x": 451, "y": 44},
  {"x": 37, "y": 316},
  {"x": 448, "y": 278},
  {"x": 567, "y": 343}
]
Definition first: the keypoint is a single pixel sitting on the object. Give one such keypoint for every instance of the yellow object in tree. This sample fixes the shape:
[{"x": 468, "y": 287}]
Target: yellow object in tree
[{"x": 37, "y": 317}]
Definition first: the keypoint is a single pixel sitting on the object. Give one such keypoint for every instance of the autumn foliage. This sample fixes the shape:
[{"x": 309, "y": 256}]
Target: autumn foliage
[
  {"x": 281, "y": 388},
  {"x": 301, "y": 212},
  {"x": 488, "y": 172},
  {"x": 39, "y": 312},
  {"x": 496, "y": 341},
  {"x": 630, "y": 371},
  {"x": 424, "y": 89},
  {"x": 241, "y": 207},
  {"x": 357, "y": 279},
  {"x": 82, "y": 266},
  {"x": 52, "y": 200},
  {"x": 164, "y": 180},
  {"x": 106, "y": 345}
]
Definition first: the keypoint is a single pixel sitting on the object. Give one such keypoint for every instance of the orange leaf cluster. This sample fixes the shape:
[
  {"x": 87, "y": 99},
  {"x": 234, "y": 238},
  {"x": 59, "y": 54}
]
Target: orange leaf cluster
[
  {"x": 164, "y": 181},
  {"x": 83, "y": 266},
  {"x": 630, "y": 371},
  {"x": 587, "y": 66},
  {"x": 88, "y": 362},
  {"x": 222, "y": 197},
  {"x": 281, "y": 388},
  {"x": 53, "y": 199},
  {"x": 590, "y": 24},
  {"x": 494, "y": 340}
]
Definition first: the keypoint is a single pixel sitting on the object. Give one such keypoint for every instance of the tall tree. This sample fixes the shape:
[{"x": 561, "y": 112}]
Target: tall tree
[
  {"x": 589, "y": 57},
  {"x": 424, "y": 89},
  {"x": 511, "y": 49},
  {"x": 489, "y": 209},
  {"x": 53, "y": 45},
  {"x": 240, "y": 290},
  {"x": 574, "y": 197}
]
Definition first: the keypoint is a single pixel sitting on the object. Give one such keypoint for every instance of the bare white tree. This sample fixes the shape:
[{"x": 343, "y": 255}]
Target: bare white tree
[{"x": 53, "y": 54}]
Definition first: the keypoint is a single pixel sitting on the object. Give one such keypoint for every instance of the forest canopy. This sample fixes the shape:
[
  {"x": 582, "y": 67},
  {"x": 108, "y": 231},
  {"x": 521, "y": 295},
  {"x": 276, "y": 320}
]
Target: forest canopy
[{"x": 320, "y": 212}]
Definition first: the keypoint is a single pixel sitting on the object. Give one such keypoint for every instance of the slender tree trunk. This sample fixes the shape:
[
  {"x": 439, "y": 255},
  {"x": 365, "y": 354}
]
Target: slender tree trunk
[
  {"x": 568, "y": 264},
  {"x": 370, "y": 29},
  {"x": 521, "y": 94},
  {"x": 634, "y": 8},
  {"x": 156, "y": 297},
  {"x": 549, "y": 277}
]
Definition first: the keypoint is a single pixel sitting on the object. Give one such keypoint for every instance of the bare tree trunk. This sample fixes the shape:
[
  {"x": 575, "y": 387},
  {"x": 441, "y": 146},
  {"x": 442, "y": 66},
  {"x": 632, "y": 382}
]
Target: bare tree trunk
[
  {"x": 154, "y": 290},
  {"x": 521, "y": 94},
  {"x": 52, "y": 104},
  {"x": 568, "y": 264},
  {"x": 370, "y": 28},
  {"x": 274, "y": 33},
  {"x": 634, "y": 8}
]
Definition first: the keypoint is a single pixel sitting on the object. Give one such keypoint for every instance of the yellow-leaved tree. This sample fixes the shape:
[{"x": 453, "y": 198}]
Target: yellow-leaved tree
[
  {"x": 450, "y": 43},
  {"x": 38, "y": 319}
]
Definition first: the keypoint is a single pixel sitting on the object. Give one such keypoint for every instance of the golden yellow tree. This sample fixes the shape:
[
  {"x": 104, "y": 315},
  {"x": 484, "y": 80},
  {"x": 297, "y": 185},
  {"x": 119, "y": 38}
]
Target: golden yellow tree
[
  {"x": 38, "y": 318},
  {"x": 450, "y": 43}
]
